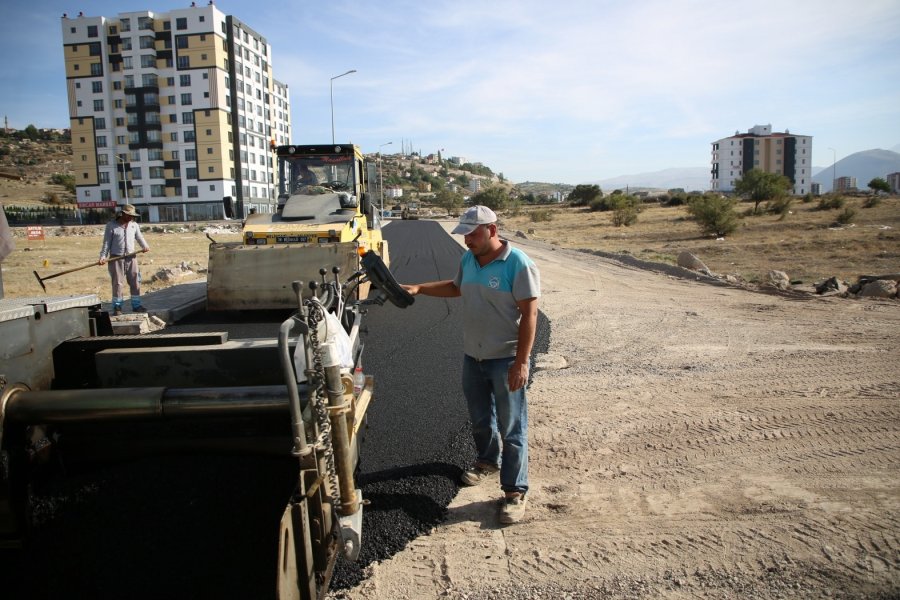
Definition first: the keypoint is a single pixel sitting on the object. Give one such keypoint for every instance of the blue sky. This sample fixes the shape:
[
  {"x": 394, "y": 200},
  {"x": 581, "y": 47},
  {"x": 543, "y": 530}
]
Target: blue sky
[{"x": 570, "y": 91}]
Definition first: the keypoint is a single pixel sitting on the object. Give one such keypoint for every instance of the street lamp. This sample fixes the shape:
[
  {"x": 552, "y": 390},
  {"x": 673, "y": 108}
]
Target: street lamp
[
  {"x": 331, "y": 86},
  {"x": 381, "y": 178},
  {"x": 834, "y": 171},
  {"x": 124, "y": 179}
]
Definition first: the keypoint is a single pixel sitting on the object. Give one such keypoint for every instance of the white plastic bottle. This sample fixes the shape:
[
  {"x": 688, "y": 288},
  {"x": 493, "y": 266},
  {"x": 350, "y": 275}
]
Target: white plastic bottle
[{"x": 359, "y": 381}]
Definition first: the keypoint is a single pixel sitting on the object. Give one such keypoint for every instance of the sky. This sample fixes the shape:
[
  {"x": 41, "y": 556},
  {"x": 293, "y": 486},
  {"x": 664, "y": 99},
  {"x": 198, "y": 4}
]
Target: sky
[{"x": 571, "y": 91}]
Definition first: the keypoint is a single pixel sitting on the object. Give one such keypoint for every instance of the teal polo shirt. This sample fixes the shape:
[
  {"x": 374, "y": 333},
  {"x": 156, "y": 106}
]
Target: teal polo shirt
[{"x": 489, "y": 293}]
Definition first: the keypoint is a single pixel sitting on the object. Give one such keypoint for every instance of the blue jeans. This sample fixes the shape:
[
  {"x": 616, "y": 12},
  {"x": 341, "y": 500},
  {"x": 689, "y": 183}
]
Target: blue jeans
[{"x": 499, "y": 419}]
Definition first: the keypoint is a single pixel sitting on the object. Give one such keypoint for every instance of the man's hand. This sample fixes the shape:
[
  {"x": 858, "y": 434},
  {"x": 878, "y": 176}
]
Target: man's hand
[
  {"x": 412, "y": 289},
  {"x": 146, "y": 250},
  {"x": 517, "y": 376},
  {"x": 102, "y": 261}
]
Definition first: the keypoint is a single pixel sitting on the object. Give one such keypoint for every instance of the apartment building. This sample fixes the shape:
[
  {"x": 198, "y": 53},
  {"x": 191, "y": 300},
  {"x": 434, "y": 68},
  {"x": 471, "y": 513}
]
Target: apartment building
[
  {"x": 893, "y": 180},
  {"x": 783, "y": 153},
  {"x": 845, "y": 184},
  {"x": 173, "y": 112}
]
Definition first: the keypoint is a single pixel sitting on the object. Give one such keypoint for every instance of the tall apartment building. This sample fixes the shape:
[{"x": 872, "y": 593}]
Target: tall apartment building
[
  {"x": 172, "y": 112},
  {"x": 783, "y": 153},
  {"x": 845, "y": 184}
]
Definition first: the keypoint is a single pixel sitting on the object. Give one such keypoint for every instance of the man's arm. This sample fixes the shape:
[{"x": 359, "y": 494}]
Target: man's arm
[
  {"x": 518, "y": 372},
  {"x": 439, "y": 289}
]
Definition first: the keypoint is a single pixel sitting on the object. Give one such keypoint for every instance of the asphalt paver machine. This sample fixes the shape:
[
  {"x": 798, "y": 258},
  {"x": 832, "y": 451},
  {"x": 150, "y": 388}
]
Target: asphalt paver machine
[{"x": 61, "y": 382}]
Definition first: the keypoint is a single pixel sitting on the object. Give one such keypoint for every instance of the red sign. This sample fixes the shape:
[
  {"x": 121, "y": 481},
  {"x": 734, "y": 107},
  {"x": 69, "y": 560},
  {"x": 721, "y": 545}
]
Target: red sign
[
  {"x": 105, "y": 204},
  {"x": 35, "y": 232}
]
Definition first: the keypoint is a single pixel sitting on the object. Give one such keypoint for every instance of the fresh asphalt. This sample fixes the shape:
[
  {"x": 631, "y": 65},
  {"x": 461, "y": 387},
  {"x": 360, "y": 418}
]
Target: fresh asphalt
[{"x": 196, "y": 527}]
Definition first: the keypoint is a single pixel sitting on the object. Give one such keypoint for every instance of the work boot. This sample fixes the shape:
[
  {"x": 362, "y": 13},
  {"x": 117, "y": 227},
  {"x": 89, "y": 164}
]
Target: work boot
[
  {"x": 513, "y": 509},
  {"x": 478, "y": 473},
  {"x": 117, "y": 312},
  {"x": 139, "y": 309}
]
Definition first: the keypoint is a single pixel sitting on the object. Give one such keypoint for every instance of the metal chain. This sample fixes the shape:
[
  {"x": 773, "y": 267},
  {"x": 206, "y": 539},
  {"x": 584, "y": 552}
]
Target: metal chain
[{"x": 319, "y": 398}]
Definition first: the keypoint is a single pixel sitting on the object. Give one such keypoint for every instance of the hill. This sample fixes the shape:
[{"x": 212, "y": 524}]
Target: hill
[{"x": 865, "y": 166}]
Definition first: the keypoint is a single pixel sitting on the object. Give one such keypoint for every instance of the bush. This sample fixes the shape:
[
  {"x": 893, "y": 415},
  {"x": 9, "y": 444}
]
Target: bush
[
  {"x": 543, "y": 214},
  {"x": 715, "y": 214},
  {"x": 846, "y": 217},
  {"x": 831, "y": 202},
  {"x": 779, "y": 206},
  {"x": 625, "y": 209},
  {"x": 872, "y": 202}
]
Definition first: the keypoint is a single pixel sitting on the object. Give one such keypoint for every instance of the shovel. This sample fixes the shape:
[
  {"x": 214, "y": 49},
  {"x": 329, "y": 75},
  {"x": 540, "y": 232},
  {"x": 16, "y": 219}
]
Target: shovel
[{"x": 41, "y": 280}]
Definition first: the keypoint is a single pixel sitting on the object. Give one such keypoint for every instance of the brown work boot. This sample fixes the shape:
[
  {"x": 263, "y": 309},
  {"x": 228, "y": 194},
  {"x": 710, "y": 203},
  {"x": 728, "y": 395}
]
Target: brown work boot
[
  {"x": 513, "y": 509},
  {"x": 478, "y": 473},
  {"x": 117, "y": 312}
]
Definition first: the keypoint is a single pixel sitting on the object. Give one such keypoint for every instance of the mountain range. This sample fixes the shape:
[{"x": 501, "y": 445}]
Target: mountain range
[{"x": 864, "y": 165}]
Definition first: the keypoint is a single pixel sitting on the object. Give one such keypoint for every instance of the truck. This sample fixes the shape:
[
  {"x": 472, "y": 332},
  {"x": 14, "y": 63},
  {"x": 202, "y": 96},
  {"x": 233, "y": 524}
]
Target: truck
[
  {"x": 324, "y": 216},
  {"x": 70, "y": 388},
  {"x": 410, "y": 211}
]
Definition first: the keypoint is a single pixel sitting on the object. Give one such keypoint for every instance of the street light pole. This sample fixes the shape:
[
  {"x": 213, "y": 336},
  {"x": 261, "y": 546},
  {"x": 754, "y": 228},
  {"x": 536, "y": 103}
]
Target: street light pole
[
  {"x": 834, "y": 171},
  {"x": 331, "y": 87},
  {"x": 381, "y": 177}
]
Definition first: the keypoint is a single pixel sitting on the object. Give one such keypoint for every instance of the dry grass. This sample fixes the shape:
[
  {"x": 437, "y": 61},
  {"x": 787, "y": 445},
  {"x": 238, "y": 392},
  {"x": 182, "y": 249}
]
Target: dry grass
[
  {"x": 67, "y": 248},
  {"x": 806, "y": 244}
]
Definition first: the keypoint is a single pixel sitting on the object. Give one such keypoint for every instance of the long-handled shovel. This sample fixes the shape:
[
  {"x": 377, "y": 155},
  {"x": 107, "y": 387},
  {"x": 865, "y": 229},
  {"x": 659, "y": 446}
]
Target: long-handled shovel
[{"x": 41, "y": 280}]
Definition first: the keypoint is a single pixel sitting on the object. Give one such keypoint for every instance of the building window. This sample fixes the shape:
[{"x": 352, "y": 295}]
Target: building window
[
  {"x": 190, "y": 154},
  {"x": 100, "y": 123},
  {"x": 191, "y": 172},
  {"x": 92, "y": 31},
  {"x": 185, "y": 80},
  {"x": 173, "y": 137},
  {"x": 136, "y": 173},
  {"x": 192, "y": 191},
  {"x": 189, "y": 136},
  {"x": 104, "y": 177},
  {"x": 98, "y": 105},
  {"x": 184, "y": 62},
  {"x": 148, "y": 61},
  {"x": 181, "y": 42},
  {"x": 187, "y": 118},
  {"x": 181, "y": 23},
  {"x": 186, "y": 99},
  {"x": 145, "y": 23},
  {"x": 105, "y": 195},
  {"x": 96, "y": 69},
  {"x": 209, "y": 150}
]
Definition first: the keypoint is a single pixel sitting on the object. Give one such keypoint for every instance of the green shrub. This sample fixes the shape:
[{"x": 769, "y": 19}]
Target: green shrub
[
  {"x": 543, "y": 214},
  {"x": 846, "y": 217},
  {"x": 872, "y": 202},
  {"x": 831, "y": 202},
  {"x": 808, "y": 198},
  {"x": 714, "y": 214},
  {"x": 779, "y": 206}
]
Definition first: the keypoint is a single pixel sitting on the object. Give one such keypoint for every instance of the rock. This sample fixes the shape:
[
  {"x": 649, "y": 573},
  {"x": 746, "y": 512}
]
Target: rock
[
  {"x": 520, "y": 234},
  {"x": 831, "y": 286},
  {"x": 779, "y": 280},
  {"x": 689, "y": 261},
  {"x": 880, "y": 288}
]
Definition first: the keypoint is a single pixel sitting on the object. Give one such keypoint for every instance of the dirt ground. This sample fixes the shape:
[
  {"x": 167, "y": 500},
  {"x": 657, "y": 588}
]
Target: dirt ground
[{"x": 687, "y": 440}]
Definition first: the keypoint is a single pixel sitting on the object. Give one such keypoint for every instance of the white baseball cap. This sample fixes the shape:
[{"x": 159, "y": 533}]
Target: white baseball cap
[{"x": 472, "y": 218}]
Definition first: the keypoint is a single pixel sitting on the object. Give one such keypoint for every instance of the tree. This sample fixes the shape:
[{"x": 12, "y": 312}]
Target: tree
[
  {"x": 494, "y": 197},
  {"x": 584, "y": 195},
  {"x": 449, "y": 201},
  {"x": 714, "y": 213},
  {"x": 761, "y": 186},
  {"x": 880, "y": 185},
  {"x": 32, "y": 133}
]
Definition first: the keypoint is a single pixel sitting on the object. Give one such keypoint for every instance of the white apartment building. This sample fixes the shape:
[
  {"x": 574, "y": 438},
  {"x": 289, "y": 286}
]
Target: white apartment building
[
  {"x": 783, "y": 153},
  {"x": 173, "y": 112}
]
